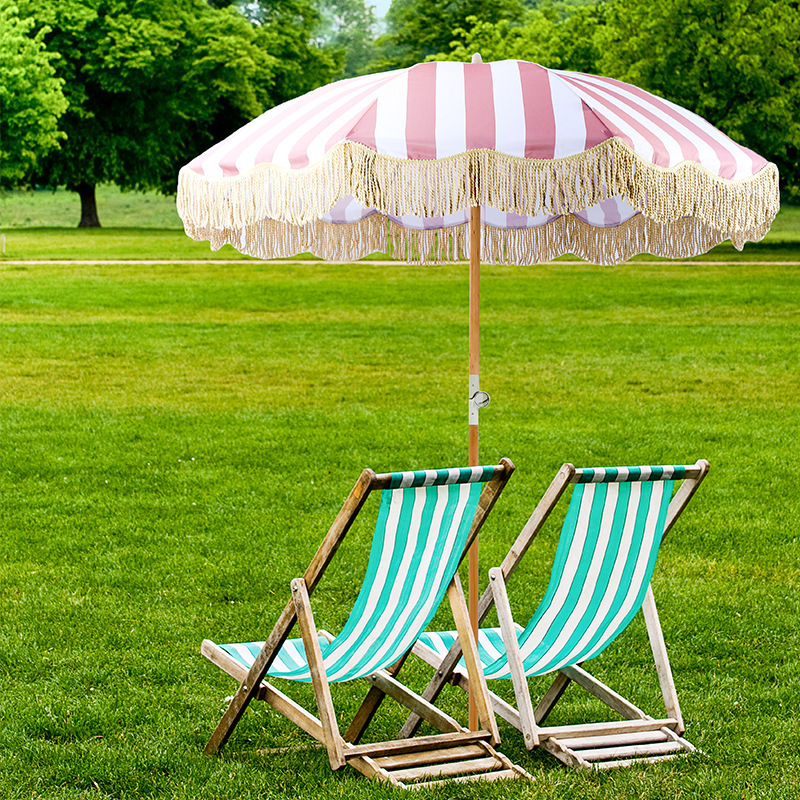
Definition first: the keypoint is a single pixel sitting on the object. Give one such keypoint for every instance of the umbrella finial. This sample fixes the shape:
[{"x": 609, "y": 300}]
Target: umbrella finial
[{"x": 476, "y": 58}]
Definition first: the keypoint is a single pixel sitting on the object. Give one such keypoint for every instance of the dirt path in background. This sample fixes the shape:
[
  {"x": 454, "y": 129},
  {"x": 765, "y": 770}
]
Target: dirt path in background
[{"x": 67, "y": 262}]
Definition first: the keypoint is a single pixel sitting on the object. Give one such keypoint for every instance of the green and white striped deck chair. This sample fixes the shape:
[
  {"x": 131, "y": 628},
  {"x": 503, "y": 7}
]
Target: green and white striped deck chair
[
  {"x": 425, "y": 523},
  {"x": 616, "y": 521}
]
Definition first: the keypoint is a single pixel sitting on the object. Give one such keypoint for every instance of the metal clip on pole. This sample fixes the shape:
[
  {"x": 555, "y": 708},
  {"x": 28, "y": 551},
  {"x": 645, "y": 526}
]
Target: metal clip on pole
[{"x": 477, "y": 399}]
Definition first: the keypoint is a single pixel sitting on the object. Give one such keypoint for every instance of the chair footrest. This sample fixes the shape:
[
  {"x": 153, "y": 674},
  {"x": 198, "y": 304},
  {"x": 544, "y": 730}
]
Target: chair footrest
[
  {"x": 431, "y": 760},
  {"x": 616, "y": 749},
  {"x": 417, "y": 744}
]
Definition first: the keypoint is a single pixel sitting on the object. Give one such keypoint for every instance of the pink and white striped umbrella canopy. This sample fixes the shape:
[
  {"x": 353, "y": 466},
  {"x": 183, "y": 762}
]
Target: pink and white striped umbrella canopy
[{"x": 560, "y": 162}]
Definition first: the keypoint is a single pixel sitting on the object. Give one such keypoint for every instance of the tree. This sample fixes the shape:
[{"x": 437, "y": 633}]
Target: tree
[
  {"x": 286, "y": 29},
  {"x": 149, "y": 84},
  {"x": 422, "y": 28},
  {"x": 560, "y": 35},
  {"x": 31, "y": 99},
  {"x": 349, "y": 26},
  {"x": 734, "y": 62}
]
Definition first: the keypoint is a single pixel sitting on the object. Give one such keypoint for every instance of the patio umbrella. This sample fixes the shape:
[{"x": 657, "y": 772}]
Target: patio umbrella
[{"x": 506, "y": 162}]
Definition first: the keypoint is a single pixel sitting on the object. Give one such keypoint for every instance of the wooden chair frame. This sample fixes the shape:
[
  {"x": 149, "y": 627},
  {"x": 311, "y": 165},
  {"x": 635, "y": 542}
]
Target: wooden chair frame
[
  {"x": 638, "y": 736},
  {"x": 397, "y": 762}
]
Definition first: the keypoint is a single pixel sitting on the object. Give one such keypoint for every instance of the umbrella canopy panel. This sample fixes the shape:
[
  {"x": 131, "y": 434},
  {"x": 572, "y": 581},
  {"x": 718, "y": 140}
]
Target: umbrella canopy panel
[{"x": 558, "y": 161}]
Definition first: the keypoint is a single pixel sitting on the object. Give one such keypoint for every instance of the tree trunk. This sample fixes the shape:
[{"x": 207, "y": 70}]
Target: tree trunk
[{"x": 89, "y": 218}]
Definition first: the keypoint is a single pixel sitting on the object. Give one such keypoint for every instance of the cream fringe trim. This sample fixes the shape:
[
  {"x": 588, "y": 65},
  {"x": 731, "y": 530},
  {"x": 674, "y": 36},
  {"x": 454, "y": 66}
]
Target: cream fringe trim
[
  {"x": 431, "y": 188},
  {"x": 376, "y": 234}
]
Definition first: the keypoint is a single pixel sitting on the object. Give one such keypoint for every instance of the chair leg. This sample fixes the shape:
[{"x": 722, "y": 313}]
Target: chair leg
[
  {"x": 659, "y": 648},
  {"x": 322, "y": 691},
  {"x": 515, "y": 665}
]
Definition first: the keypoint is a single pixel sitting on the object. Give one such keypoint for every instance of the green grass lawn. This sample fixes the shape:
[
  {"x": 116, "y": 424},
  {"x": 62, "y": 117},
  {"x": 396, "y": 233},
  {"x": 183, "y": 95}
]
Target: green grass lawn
[
  {"x": 45, "y": 208},
  {"x": 176, "y": 439}
]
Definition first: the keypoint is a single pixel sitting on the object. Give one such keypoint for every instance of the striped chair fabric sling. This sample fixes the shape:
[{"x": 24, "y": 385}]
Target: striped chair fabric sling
[
  {"x": 602, "y": 568},
  {"x": 422, "y": 526}
]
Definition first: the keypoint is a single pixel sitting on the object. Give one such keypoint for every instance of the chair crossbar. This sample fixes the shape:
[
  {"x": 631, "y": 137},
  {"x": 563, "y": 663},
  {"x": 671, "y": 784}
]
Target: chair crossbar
[
  {"x": 434, "y": 477},
  {"x": 633, "y": 474}
]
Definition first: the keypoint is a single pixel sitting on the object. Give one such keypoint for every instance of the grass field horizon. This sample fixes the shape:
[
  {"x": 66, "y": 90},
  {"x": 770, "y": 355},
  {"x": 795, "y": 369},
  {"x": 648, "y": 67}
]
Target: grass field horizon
[
  {"x": 42, "y": 225},
  {"x": 175, "y": 439}
]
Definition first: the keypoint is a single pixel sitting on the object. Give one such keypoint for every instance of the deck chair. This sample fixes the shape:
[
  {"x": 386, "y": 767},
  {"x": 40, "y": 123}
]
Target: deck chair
[
  {"x": 425, "y": 523},
  {"x": 616, "y": 521}
]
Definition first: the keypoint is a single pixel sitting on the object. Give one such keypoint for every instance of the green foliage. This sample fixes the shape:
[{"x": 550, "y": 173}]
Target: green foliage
[
  {"x": 149, "y": 84},
  {"x": 735, "y": 63},
  {"x": 418, "y": 29},
  {"x": 286, "y": 29},
  {"x": 31, "y": 97},
  {"x": 350, "y": 26},
  {"x": 558, "y": 35}
]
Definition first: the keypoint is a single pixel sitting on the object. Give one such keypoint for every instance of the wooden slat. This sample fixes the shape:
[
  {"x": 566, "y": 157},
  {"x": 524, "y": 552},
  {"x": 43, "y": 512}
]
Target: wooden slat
[
  {"x": 384, "y": 480},
  {"x": 659, "y": 649},
  {"x": 566, "y": 756},
  {"x": 506, "y": 711},
  {"x": 440, "y": 756},
  {"x": 605, "y": 728},
  {"x": 416, "y": 745},
  {"x": 630, "y": 751},
  {"x": 618, "y": 740},
  {"x": 449, "y": 768},
  {"x": 551, "y": 697},
  {"x": 367, "y": 767},
  {"x": 292, "y": 711},
  {"x": 316, "y": 668},
  {"x": 499, "y": 775},
  {"x": 278, "y": 700},
  {"x": 692, "y": 471},
  {"x": 224, "y": 660},
  {"x": 685, "y": 494},
  {"x": 506, "y": 762},
  {"x": 515, "y": 665}
]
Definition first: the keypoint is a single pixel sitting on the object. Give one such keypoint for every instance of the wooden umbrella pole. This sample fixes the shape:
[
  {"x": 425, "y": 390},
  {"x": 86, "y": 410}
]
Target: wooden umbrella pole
[{"x": 474, "y": 386}]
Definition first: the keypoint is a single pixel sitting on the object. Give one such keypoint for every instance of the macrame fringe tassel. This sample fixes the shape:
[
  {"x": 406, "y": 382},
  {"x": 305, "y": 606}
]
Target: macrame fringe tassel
[
  {"x": 432, "y": 188},
  {"x": 375, "y": 234}
]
